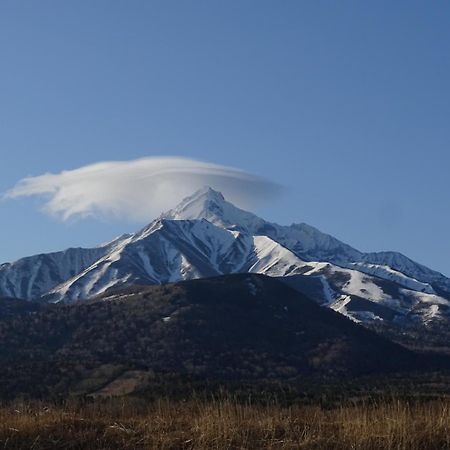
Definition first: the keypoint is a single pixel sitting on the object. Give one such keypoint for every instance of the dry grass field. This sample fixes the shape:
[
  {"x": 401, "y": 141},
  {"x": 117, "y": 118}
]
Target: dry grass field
[{"x": 225, "y": 424}]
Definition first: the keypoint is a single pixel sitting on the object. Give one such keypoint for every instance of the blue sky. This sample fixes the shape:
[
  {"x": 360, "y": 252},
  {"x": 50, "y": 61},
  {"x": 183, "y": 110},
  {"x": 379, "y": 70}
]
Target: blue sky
[{"x": 345, "y": 103}]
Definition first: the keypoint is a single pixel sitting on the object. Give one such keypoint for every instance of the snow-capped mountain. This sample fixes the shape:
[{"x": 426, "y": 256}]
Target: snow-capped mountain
[
  {"x": 30, "y": 277},
  {"x": 174, "y": 250},
  {"x": 206, "y": 236},
  {"x": 306, "y": 241}
]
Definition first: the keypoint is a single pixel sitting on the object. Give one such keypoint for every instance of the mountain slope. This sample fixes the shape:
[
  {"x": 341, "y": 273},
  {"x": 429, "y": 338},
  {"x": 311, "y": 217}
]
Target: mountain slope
[
  {"x": 175, "y": 250},
  {"x": 307, "y": 242},
  {"x": 207, "y": 236},
  {"x": 236, "y": 327},
  {"x": 33, "y": 276}
]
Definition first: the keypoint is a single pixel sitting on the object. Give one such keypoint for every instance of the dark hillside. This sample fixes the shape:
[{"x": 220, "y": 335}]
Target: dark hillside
[{"x": 231, "y": 328}]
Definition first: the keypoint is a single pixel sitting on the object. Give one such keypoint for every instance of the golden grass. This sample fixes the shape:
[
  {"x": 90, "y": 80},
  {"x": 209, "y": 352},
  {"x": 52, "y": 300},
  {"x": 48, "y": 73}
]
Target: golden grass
[{"x": 225, "y": 424}]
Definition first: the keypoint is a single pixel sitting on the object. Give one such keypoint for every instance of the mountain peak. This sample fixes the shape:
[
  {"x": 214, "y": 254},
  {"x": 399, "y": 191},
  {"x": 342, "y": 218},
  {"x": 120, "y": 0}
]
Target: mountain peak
[
  {"x": 198, "y": 205},
  {"x": 208, "y": 192},
  {"x": 205, "y": 196},
  {"x": 209, "y": 204}
]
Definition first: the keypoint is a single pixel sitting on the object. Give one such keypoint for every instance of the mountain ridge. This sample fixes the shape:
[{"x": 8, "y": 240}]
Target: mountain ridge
[{"x": 205, "y": 236}]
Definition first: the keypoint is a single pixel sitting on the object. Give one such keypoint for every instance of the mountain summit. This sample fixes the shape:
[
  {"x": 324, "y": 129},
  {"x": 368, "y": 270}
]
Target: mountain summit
[
  {"x": 211, "y": 205},
  {"x": 205, "y": 235}
]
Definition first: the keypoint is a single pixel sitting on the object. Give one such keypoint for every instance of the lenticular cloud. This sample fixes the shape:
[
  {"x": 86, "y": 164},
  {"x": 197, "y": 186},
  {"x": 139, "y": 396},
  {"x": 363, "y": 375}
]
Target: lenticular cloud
[{"x": 138, "y": 189}]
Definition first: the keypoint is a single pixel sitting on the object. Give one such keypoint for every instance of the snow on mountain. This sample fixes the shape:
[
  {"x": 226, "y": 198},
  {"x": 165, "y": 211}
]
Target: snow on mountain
[
  {"x": 174, "y": 250},
  {"x": 206, "y": 236},
  {"x": 33, "y": 276},
  {"x": 310, "y": 244},
  {"x": 374, "y": 277},
  {"x": 363, "y": 293},
  {"x": 212, "y": 206},
  {"x": 406, "y": 266}
]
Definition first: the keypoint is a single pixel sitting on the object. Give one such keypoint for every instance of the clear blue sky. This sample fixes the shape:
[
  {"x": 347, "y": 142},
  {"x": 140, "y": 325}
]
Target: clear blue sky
[{"x": 346, "y": 103}]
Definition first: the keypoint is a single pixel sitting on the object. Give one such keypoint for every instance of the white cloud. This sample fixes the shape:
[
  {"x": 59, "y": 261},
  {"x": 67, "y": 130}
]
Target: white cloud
[{"x": 139, "y": 189}]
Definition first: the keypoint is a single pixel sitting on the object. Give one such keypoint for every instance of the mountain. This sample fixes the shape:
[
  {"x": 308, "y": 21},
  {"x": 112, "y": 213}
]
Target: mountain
[
  {"x": 306, "y": 241},
  {"x": 31, "y": 277},
  {"x": 206, "y": 236},
  {"x": 231, "y": 328},
  {"x": 364, "y": 286}
]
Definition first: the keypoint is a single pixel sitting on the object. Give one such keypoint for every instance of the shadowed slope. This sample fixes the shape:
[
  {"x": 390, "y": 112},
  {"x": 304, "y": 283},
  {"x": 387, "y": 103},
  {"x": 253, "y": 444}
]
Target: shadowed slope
[{"x": 237, "y": 327}]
